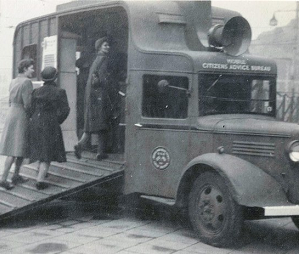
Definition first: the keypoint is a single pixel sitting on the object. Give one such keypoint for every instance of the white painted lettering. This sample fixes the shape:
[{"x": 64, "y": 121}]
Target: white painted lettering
[
  {"x": 236, "y": 64},
  {"x": 214, "y": 66},
  {"x": 239, "y": 67},
  {"x": 260, "y": 68},
  {"x": 236, "y": 61}
]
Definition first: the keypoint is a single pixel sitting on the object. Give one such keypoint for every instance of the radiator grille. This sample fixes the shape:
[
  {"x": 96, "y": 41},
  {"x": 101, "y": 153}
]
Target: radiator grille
[{"x": 254, "y": 148}]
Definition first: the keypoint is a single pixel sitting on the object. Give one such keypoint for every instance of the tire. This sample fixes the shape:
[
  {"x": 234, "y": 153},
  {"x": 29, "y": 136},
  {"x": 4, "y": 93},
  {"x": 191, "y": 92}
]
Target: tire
[
  {"x": 214, "y": 215},
  {"x": 295, "y": 220}
]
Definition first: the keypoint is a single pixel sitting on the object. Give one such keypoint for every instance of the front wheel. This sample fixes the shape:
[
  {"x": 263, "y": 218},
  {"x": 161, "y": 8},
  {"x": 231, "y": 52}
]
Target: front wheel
[{"x": 214, "y": 215}]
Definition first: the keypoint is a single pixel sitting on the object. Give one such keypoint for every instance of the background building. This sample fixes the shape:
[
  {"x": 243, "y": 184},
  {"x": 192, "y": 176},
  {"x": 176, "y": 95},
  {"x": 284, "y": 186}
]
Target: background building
[{"x": 281, "y": 45}]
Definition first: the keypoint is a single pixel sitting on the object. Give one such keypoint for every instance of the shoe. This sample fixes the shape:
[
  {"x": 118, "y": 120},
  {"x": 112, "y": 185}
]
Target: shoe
[
  {"x": 78, "y": 151},
  {"x": 101, "y": 156},
  {"x": 6, "y": 185},
  {"x": 17, "y": 179},
  {"x": 41, "y": 185}
]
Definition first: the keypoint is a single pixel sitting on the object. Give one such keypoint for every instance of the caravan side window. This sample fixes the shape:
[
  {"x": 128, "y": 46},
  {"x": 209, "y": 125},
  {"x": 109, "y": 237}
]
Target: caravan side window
[
  {"x": 165, "y": 97},
  {"x": 30, "y": 51}
]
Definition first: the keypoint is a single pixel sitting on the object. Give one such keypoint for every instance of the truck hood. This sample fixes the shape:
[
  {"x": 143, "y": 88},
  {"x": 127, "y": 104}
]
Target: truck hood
[{"x": 247, "y": 124}]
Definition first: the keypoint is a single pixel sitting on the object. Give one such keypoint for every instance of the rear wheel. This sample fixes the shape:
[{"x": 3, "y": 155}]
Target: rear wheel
[{"x": 214, "y": 215}]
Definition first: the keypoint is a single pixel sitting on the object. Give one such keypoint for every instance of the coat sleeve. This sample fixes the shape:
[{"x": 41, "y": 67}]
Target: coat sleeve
[
  {"x": 27, "y": 94},
  {"x": 97, "y": 71},
  {"x": 63, "y": 107},
  {"x": 102, "y": 72},
  {"x": 33, "y": 105}
]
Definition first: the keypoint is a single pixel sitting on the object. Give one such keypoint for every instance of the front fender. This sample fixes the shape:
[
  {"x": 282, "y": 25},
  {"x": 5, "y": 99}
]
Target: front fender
[{"x": 249, "y": 185}]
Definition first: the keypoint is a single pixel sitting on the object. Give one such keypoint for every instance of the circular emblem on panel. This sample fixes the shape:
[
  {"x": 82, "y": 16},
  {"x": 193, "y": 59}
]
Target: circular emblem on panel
[{"x": 160, "y": 158}]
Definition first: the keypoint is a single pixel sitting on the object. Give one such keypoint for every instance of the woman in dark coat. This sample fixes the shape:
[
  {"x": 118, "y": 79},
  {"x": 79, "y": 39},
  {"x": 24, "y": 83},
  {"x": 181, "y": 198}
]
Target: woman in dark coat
[
  {"x": 49, "y": 109},
  {"x": 97, "y": 102}
]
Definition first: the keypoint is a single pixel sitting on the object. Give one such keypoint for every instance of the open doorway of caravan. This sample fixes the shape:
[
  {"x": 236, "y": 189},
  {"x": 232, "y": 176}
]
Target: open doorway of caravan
[{"x": 77, "y": 35}]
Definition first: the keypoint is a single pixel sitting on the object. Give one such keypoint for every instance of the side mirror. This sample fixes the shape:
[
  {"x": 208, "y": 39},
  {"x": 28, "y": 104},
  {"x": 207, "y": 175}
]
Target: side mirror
[{"x": 163, "y": 86}]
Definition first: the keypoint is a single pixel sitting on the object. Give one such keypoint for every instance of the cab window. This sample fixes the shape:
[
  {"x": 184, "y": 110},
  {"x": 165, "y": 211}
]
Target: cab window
[
  {"x": 165, "y": 97},
  {"x": 232, "y": 94}
]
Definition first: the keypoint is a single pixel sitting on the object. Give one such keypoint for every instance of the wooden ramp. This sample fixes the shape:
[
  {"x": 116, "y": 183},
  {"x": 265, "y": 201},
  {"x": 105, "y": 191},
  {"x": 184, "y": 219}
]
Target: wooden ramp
[{"x": 64, "y": 179}]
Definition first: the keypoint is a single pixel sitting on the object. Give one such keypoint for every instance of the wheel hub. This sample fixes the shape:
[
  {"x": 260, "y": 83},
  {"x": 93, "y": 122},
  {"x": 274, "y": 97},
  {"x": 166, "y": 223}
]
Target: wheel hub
[
  {"x": 211, "y": 208},
  {"x": 207, "y": 210}
]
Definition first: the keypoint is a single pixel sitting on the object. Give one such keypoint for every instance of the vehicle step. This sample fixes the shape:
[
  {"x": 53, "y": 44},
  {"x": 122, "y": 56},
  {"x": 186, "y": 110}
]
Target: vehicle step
[
  {"x": 76, "y": 168},
  {"x": 166, "y": 201},
  {"x": 63, "y": 182},
  {"x": 52, "y": 190},
  {"x": 97, "y": 164},
  {"x": 54, "y": 172},
  {"x": 7, "y": 204}
]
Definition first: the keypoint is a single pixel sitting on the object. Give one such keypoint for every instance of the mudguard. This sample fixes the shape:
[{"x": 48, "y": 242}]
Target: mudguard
[{"x": 249, "y": 185}]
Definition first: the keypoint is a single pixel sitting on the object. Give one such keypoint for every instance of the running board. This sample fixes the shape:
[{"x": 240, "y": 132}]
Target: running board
[
  {"x": 288, "y": 210},
  {"x": 166, "y": 201}
]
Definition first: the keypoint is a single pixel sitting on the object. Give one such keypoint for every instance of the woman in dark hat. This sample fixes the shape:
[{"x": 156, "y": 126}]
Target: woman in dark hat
[
  {"x": 49, "y": 109},
  {"x": 97, "y": 102}
]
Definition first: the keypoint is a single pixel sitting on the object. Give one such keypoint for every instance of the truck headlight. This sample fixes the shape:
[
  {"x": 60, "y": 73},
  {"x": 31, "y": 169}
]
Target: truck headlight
[{"x": 293, "y": 150}]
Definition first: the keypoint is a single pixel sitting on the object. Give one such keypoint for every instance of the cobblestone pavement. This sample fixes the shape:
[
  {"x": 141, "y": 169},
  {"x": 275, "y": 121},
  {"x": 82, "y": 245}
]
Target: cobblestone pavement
[{"x": 71, "y": 227}]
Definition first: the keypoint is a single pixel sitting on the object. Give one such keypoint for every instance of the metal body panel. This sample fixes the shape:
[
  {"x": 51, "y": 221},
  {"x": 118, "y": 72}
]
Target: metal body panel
[
  {"x": 145, "y": 135},
  {"x": 220, "y": 63},
  {"x": 30, "y": 33},
  {"x": 261, "y": 141},
  {"x": 248, "y": 125},
  {"x": 249, "y": 185},
  {"x": 148, "y": 178}
]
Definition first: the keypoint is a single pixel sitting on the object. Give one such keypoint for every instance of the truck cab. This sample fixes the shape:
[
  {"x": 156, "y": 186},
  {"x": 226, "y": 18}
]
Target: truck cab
[{"x": 198, "y": 111}]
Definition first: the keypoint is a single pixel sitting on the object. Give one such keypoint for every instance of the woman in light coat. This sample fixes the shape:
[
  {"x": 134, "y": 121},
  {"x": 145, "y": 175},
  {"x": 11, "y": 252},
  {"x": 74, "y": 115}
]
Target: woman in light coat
[{"x": 14, "y": 137}]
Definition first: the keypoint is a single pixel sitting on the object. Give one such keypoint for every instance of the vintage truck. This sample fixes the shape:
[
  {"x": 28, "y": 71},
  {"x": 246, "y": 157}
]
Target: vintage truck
[{"x": 198, "y": 128}]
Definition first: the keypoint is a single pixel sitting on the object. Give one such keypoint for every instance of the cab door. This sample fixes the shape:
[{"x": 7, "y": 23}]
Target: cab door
[{"x": 158, "y": 136}]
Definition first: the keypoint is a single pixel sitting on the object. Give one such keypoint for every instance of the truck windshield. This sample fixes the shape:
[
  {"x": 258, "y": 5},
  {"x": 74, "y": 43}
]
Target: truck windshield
[{"x": 231, "y": 94}]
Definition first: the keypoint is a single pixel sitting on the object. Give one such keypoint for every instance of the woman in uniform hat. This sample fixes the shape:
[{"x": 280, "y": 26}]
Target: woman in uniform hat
[
  {"x": 97, "y": 102},
  {"x": 49, "y": 109},
  {"x": 14, "y": 137}
]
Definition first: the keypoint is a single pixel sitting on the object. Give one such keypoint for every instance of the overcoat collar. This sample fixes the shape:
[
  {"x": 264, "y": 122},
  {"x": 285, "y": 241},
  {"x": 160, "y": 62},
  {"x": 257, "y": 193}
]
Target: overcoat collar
[{"x": 49, "y": 83}]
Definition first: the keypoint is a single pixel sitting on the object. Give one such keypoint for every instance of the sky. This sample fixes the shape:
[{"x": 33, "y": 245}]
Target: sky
[{"x": 259, "y": 13}]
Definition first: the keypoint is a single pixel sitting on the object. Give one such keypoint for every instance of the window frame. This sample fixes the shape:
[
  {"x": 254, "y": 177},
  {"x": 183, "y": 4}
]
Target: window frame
[
  {"x": 167, "y": 122},
  {"x": 251, "y": 77},
  {"x": 165, "y": 76}
]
